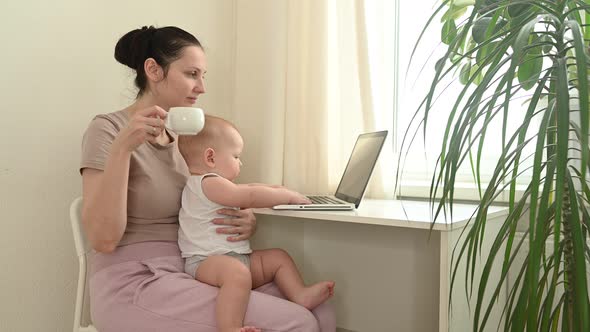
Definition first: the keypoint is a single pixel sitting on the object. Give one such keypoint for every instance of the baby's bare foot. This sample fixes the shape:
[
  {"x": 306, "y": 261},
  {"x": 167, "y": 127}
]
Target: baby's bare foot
[
  {"x": 315, "y": 294},
  {"x": 250, "y": 329}
]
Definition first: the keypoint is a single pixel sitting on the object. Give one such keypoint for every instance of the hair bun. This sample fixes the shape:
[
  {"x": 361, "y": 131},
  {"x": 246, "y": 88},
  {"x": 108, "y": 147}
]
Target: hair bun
[{"x": 134, "y": 47}]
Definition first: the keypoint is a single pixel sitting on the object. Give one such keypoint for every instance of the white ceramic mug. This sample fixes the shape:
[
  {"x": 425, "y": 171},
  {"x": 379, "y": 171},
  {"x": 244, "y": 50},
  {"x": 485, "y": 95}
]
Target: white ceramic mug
[{"x": 185, "y": 120}]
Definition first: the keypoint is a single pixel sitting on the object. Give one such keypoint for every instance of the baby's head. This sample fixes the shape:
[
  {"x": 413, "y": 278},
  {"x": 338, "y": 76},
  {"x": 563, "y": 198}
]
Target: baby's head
[{"x": 215, "y": 149}]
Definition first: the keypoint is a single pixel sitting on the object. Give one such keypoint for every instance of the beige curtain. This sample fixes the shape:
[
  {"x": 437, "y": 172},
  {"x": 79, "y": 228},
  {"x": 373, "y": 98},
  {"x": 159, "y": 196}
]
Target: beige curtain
[
  {"x": 328, "y": 92},
  {"x": 316, "y": 99}
]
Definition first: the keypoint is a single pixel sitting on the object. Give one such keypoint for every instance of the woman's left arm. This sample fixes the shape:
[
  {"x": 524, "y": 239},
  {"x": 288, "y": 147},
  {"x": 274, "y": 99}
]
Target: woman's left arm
[{"x": 241, "y": 224}]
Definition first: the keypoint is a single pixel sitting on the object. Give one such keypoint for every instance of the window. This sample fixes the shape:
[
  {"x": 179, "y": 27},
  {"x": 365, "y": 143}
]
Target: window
[{"x": 412, "y": 82}]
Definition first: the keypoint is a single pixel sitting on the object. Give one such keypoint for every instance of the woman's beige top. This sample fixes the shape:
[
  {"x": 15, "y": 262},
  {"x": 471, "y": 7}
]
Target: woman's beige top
[{"x": 157, "y": 175}]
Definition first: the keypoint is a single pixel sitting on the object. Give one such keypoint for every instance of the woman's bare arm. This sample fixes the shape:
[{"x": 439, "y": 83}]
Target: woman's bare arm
[{"x": 104, "y": 212}]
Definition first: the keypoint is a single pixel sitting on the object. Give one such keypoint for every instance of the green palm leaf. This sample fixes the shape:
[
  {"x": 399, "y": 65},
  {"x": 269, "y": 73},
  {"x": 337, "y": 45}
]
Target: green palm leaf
[{"x": 500, "y": 49}]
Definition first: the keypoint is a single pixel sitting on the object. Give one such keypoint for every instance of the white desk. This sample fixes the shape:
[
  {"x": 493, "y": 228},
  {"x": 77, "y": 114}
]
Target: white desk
[{"x": 391, "y": 272}]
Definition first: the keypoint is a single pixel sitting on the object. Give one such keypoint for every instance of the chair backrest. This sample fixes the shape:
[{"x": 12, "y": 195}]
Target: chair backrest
[
  {"x": 76, "y": 220},
  {"x": 81, "y": 249}
]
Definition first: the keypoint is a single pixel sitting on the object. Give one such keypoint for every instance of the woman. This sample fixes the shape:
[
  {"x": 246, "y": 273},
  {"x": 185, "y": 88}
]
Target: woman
[{"x": 133, "y": 175}]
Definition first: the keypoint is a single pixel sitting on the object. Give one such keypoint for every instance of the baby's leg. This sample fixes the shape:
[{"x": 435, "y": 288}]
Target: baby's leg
[
  {"x": 276, "y": 264},
  {"x": 234, "y": 280}
]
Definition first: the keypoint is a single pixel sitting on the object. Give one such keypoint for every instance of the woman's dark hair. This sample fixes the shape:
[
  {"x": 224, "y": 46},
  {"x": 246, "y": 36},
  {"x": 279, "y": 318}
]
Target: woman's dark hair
[{"x": 164, "y": 45}]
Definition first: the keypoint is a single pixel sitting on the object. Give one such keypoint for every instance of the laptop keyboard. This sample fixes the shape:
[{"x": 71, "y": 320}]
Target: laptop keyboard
[{"x": 323, "y": 200}]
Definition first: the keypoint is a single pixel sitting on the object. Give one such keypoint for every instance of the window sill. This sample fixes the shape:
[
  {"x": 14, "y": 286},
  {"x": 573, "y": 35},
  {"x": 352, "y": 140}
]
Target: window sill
[{"x": 464, "y": 192}]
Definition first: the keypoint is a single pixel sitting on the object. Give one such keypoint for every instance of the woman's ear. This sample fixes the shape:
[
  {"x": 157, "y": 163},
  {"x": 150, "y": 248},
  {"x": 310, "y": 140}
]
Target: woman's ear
[
  {"x": 153, "y": 70},
  {"x": 209, "y": 157}
]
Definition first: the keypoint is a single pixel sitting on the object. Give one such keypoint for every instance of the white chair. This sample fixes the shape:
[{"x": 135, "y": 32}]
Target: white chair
[{"x": 81, "y": 251}]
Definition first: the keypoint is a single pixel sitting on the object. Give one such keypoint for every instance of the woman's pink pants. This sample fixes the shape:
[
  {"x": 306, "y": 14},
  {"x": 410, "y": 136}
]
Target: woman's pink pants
[{"x": 142, "y": 287}]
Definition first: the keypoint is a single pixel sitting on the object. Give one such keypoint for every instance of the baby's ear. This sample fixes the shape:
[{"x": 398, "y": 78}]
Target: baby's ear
[{"x": 209, "y": 156}]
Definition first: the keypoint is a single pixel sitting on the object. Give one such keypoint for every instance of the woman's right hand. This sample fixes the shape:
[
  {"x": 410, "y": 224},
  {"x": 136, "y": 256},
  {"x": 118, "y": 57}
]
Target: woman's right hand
[{"x": 145, "y": 125}]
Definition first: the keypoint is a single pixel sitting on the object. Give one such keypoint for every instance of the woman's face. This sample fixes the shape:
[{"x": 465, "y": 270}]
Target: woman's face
[{"x": 184, "y": 81}]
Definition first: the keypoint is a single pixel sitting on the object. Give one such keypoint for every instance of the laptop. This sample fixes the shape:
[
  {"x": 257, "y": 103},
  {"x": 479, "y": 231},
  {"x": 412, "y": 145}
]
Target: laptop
[{"x": 354, "y": 179}]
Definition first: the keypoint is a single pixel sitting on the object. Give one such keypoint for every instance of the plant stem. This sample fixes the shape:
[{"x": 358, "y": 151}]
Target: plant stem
[{"x": 568, "y": 254}]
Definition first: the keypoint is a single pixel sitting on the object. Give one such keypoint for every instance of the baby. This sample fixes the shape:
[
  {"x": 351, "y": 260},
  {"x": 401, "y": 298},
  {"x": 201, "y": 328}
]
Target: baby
[{"x": 213, "y": 159}]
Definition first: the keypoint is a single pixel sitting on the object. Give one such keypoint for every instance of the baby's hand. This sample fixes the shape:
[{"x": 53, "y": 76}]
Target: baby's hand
[{"x": 297, "y": 198}]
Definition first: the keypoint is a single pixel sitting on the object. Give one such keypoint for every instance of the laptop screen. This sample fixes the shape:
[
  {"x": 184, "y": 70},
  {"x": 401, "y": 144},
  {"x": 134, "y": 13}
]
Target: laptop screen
[{"x": 360, "y": 166}]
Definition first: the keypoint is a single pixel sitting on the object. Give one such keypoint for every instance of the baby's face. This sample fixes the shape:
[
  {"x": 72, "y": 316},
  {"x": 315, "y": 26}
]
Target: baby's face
[{"x": 227, "y": 161}]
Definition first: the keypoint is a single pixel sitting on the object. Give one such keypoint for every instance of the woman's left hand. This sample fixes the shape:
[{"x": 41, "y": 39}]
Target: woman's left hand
[{"x": 241, "y": 224}]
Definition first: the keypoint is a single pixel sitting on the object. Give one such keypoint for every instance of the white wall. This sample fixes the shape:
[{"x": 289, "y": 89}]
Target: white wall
[{"x": 58, "y": 71}]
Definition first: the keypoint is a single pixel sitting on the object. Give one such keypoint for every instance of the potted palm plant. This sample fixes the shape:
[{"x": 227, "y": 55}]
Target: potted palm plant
[{"x": 499, "y": 49}]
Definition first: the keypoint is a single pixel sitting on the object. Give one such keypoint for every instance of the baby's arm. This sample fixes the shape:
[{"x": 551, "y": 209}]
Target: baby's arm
[
  {"x": 225, "y": 192},
  {"x": 264, "y": 185}
]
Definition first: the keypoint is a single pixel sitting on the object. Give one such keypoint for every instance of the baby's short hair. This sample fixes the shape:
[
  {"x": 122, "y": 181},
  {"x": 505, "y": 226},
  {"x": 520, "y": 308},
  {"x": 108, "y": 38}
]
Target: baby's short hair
[{"x": 213, "y": 132}]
